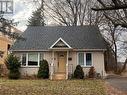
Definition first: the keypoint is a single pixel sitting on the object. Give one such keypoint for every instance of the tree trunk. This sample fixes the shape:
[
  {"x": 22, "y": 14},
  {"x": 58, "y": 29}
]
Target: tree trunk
[
  {"x": 115, "y": 48},
  {"x": 116, "y": 68}
]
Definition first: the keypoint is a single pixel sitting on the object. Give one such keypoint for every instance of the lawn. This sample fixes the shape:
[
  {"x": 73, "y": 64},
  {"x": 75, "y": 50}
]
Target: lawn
[{"x": 48, "y": 87}]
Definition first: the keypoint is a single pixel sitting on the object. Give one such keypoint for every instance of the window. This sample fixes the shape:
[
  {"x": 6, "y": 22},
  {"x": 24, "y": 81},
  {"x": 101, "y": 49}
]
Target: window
[
  {"x": 84, "y": 59},
  {"x": 88, "y": 59},
  {"x": 1, "y": 54},
  {"x": 81, "y": 58},
  {"x": 23, "y": 59},
  {"x": 8, "y": 46},
  {"x": 32, "y": 59}
]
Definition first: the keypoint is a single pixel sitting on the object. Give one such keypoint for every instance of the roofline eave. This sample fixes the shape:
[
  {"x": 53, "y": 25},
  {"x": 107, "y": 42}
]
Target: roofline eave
[{"x": 60, "y": 49}]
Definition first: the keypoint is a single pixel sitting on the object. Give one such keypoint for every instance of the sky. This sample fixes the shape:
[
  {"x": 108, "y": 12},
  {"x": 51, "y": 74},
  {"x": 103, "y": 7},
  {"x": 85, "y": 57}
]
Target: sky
[{"x": 22, "y": 12}]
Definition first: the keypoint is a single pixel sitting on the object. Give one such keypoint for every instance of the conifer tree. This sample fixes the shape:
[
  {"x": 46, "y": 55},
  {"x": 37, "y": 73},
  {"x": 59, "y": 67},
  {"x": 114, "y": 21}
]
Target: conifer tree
[{"x": 37, "y": 18}]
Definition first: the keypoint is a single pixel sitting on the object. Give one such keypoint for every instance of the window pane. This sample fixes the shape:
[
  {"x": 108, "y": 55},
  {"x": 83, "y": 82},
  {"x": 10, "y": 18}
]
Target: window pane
[
  {"x": 32, "y": 59},
  {"x": 81, "y": 58},
  {"x": 23, "y": 59},
  {"x": 8, "y": 46},
  {"x": 88, "y": 59}
]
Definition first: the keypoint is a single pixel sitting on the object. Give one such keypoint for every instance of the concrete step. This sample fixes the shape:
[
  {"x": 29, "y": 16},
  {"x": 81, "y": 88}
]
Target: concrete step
[{"x": 59, "y": 76}]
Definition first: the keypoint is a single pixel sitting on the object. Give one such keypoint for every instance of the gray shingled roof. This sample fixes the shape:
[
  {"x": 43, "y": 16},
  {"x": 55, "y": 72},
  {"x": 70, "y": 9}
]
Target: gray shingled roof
[{"x": 78, "y": 37}]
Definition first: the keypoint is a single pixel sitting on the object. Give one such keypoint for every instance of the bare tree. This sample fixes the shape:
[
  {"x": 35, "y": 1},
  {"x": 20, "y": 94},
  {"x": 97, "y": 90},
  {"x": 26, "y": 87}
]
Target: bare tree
[
  {"x": 115, "y": 5},
  {"x": 116, "y": 12},
  {"x": 123, "y": 48},
  {"x": 72, "y": 12},
  {"x": 112, "y": 36},
  {"x": 119, "y": 9}
]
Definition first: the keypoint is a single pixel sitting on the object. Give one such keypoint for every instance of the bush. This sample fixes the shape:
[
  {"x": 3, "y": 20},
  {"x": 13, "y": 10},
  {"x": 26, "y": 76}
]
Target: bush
[
  {"x": 43, "y": 71},
  {"x": 91, "y": 72},
  {"x": 13, "y": 65},
  {"x": 14, "y": 74},
  {"x": 78, "y": 73}
]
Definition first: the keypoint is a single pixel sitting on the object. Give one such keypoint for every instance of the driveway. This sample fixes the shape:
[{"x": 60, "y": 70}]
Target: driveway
[{"x": 118, "y": 82}]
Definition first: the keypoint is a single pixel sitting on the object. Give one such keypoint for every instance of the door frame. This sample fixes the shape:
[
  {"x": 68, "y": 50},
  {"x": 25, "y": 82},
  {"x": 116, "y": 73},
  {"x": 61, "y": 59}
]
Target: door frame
[{"x": 59, "y": 63}]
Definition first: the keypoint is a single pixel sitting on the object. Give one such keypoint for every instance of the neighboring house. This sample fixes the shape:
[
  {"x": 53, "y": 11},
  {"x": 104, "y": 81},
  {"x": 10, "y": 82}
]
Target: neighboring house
[
  {"x": 64, "y": 47},
  {"x": 5, "y": 44}
]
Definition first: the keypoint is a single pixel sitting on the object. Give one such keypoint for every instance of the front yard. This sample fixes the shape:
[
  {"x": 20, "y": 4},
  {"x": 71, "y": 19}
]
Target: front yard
[{"x": 48, "y": 87}]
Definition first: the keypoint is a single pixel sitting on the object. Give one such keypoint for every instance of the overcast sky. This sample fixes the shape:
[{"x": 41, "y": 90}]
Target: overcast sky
[{"x": 22, "y": 11}]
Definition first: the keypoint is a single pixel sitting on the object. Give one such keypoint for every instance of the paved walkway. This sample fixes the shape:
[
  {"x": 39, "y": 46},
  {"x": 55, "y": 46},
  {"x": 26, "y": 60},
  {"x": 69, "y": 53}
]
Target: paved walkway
[{"x": 118, "y": 82}]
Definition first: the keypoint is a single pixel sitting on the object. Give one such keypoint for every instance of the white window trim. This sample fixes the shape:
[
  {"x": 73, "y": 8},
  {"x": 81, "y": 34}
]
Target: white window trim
[
  {"x": 85, "y": 59},
  {"x": 62, "y": 41},
  {"x": 78, "y": 59},
  {"x": 21, "y": 59},
  {"x": 26, "y": 59},
  {"x": 38, "y": 65},
  {"x": 38, "y": 60}
]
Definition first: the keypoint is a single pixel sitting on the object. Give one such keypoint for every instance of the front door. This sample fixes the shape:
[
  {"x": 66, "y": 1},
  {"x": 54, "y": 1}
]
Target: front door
[{"x": 62, "y": 62}]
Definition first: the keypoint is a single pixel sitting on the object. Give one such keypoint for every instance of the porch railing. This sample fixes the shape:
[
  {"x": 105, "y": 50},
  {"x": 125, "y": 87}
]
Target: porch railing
[
  {"x": 69, "y": 70},
  {"x": 51, "y": 70}
]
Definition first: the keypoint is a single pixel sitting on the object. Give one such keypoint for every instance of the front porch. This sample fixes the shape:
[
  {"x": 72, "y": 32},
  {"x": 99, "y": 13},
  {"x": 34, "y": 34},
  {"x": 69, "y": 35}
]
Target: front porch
[{"x": 59, "y": 66}]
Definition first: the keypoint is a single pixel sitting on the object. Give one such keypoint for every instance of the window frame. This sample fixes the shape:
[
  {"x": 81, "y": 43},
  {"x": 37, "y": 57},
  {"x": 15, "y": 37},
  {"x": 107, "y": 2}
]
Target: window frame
[
  {"x": 21, "y": 59},
  {"x": 85, "y": 59},
  {"x": 91, "y": 59},
  {"x": 78, "y": 58},
  {"x": 27, "y": 55}
]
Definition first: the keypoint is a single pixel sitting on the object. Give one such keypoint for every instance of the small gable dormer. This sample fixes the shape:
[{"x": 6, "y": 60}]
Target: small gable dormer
[{"x": 60, "y": 43}]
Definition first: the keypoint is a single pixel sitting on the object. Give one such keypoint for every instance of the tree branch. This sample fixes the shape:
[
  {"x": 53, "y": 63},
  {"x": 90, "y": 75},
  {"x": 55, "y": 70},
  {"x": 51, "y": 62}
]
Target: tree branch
[{"x": 110, "y": 8}]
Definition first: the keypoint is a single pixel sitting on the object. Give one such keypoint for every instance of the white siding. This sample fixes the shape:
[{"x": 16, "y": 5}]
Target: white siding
[
  {"x": 97, "y": 62},
  {"x": 97, "y": 59}
]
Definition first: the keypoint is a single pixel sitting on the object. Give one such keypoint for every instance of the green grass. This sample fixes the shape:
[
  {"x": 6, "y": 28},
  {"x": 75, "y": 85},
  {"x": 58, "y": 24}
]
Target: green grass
[{"x": 48, "y": 87}]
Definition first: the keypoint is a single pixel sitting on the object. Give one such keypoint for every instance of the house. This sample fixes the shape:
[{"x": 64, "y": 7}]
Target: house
[
  {"x": 5, "y": 44},
  {"x": 64, "y": 47}
]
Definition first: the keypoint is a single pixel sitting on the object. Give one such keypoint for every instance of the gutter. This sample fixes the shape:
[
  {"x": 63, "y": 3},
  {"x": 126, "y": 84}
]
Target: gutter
[{"x": 62, "y": 49}]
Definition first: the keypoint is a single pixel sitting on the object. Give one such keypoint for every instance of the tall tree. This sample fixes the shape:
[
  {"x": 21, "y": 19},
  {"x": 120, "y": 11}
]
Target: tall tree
[
  {"x": 37, "y": 18},
  {"x": 112, "y": 36},
  {"x": 116, "y": 12},
  {"x": 72, "y": 12}
]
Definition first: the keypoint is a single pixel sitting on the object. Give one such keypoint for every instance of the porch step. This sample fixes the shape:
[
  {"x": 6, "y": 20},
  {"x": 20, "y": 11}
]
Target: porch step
[{"x": 59, "y": 76}]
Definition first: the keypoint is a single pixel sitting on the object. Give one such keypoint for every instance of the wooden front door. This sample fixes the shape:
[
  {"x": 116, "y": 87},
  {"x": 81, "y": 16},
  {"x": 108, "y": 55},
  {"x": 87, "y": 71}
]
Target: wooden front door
[{"x": 62, "y": 62}]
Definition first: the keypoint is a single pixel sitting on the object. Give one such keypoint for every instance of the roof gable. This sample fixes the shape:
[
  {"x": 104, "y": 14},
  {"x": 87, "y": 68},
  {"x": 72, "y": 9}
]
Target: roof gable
[{"x": 60, "y": 43}]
